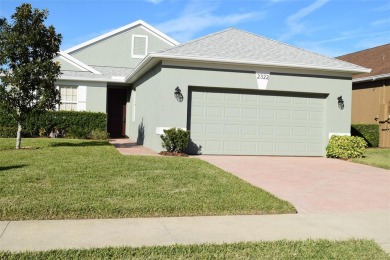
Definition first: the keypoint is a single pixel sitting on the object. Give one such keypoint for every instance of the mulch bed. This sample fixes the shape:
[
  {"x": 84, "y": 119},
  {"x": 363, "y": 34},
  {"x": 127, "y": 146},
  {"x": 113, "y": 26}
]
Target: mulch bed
[{"x": 165, "y": 153}]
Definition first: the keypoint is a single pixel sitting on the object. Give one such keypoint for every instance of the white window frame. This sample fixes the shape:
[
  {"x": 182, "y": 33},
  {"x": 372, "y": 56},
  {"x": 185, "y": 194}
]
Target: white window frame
[
  {"x": 132, "y": 45},
  {"x": 66, "y": 101}
]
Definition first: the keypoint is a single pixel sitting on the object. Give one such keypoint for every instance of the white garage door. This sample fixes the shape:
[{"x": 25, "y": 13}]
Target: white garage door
[{"x": 239, "y": 123}]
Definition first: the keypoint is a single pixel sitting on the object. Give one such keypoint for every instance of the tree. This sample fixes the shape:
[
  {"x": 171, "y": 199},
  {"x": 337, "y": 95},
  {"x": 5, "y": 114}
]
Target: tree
[{"x": 27, "y": 70}]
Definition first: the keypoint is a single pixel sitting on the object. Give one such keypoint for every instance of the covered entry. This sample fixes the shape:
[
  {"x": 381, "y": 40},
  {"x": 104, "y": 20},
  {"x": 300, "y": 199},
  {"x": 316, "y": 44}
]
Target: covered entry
[
  {"x": 240, "y": 122},
  {"x": 116, "y": 112}
]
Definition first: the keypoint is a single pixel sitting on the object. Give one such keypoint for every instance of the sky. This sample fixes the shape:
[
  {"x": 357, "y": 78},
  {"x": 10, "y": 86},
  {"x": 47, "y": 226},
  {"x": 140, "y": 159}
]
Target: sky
[{"x": 329, "y": 27}]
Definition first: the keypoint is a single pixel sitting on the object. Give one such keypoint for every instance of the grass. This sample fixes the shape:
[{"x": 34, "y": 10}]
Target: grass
[
  {"x": 378, "y": 157},
  {"x": 309, "y": 249},
  {"x": 76, "y": 179}
]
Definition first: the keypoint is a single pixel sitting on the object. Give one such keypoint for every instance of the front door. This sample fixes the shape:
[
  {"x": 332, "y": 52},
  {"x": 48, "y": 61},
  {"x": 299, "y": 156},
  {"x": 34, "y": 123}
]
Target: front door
[{"x": 116, "y": 112}]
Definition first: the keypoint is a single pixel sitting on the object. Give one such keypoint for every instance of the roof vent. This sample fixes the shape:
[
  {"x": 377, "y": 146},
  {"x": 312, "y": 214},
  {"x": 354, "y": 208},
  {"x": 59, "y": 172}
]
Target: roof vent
[{"x": 139, "y": 46}]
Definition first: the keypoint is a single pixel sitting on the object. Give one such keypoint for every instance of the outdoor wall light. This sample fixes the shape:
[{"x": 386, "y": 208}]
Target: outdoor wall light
[
  {"x": 340, "y": 101},
  {"x": 178, "y": 94}
]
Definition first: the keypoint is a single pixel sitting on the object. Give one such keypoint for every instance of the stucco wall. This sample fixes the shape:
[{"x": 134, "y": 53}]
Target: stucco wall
[
  {"x": 172, "y": 113},
  {"x": 116, "y": 50},
  {"x": 148, "y": 105}
]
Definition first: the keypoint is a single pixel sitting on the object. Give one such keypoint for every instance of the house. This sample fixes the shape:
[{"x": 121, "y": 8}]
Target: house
[
  {"x": 371, "y": 91},
  {"x": 238, "y": 93}
]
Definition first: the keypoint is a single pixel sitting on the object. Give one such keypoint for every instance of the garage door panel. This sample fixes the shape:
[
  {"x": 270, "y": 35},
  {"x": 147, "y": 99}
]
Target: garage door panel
[
  {"x": 231, "y": 129},
  {"x": 240, "y": 123},
  {"x": 232, "y": 112}
]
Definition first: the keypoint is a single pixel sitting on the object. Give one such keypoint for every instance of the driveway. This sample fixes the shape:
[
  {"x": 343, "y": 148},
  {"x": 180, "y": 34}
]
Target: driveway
[{"x": 313, "y": 184}]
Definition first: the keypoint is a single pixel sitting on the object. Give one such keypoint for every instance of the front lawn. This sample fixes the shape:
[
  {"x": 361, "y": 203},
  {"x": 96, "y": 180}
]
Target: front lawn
[
  {"x": 71, "y": 179},
  {"x": 378, "y": 157},
  {"x": 309, "y": 249}
]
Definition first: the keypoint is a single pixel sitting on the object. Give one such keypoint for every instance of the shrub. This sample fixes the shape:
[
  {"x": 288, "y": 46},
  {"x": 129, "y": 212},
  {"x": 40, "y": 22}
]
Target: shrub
[
  {"x": 175, "y": 140},
  {"x": 98, "y": 134},
  {"x": 370, "y": 133},
  {"x": 72, "y": 124},
  {"x": 346, "y": 147},
  {"x": 8, "y": 132}
]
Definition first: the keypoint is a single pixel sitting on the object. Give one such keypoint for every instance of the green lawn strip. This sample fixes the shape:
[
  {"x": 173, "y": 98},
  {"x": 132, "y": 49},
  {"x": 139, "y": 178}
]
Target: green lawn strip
[
  {"x": 75, "y": 179},
  {"x": 378, "y": 157},
  {"x": 309, "y": 249}
]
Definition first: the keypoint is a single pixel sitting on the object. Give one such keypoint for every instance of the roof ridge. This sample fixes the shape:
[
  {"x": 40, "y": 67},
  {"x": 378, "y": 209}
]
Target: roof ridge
[
  {"x": 290, "y": 45},
  {"x": 195, "y": 40}
]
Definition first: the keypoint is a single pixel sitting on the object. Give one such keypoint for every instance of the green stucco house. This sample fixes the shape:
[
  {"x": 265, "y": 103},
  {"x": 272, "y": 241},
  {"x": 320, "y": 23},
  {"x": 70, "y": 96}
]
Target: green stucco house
[{"x": 238, "y": 93}]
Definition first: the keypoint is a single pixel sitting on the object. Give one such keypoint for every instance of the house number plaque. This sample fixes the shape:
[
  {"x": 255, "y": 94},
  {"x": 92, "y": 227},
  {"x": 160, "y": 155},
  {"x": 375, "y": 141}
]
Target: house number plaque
[{"x": 262, "y": 79}]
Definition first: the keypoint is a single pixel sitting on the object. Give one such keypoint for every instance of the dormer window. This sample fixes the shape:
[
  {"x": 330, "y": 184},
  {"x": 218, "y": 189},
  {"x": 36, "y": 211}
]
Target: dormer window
[{"x": 139, "y": 47}]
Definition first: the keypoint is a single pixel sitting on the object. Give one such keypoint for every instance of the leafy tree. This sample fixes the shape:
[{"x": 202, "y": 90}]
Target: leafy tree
[{"x": 27, "y": 69}]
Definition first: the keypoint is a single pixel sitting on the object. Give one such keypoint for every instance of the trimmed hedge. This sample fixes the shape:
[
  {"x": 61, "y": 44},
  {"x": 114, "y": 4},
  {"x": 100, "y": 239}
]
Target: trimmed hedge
[
  {"x": 175, "y": 140},
  {"x": 369, "y": 132},
  {"x": 72, "y": 124},
  {"x": 346, "y": 147}
]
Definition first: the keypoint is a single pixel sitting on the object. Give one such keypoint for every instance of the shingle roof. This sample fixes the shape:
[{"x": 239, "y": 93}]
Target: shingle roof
[
  {"x": 377, "y": 58},
  {"x": 237, "y": 45},
  {"x": 107, "y": 73}
]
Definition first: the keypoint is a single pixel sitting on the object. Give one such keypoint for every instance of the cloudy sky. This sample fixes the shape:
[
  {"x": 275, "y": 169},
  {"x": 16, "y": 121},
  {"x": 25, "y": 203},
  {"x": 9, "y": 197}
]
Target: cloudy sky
[{"x": 330, "y": 27}]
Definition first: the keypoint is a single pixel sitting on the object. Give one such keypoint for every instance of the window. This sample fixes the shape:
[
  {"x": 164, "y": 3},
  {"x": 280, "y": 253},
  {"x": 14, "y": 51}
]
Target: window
[
  {"x": 139, "y": 46},
  {"x": 68, "y": 98}
]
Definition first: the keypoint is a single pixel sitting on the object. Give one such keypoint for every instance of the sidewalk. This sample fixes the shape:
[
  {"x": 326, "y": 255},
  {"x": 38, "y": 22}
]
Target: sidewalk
[{"x": 135, "y": 232}]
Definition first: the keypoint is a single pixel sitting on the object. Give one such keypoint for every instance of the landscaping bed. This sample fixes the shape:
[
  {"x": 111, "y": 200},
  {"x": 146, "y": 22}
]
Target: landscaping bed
[
  {"x": 309, "y": 249},
  {"x": 77, "y": 179}
]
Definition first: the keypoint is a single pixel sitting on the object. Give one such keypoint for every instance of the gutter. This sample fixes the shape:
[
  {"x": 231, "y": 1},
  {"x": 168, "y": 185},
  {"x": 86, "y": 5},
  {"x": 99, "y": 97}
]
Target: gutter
[
  {"x": 160, "y": 56},
  {"x": 372, "y": 78},
  {"x": 113, "y": 79}
]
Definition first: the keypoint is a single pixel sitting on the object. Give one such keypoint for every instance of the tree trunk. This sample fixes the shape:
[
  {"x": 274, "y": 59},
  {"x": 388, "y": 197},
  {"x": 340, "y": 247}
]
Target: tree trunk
[{"x": 19, "y": 136}]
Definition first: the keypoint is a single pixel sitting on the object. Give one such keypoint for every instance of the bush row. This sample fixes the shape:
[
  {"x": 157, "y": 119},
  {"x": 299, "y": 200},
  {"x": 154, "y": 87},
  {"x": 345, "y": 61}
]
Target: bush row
[
  {"x": 369, "y": 132},
  {"x": 71, "y": 124}
]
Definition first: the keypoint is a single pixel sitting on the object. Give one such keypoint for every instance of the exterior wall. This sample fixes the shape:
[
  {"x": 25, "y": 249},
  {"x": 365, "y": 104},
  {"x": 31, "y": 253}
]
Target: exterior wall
[
  {"x": 371, "y": 105},
  {"x": 146, "y": 93},
  {"x": 172, "y": 113},
  {"x": 116, "y": 50},
  {"x": 91, "y": 96},
  {"x": 66, "y": 65}
]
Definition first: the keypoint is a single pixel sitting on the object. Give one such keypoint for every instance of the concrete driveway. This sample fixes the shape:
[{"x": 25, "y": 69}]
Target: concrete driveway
[{"x": 313, "y": 184}]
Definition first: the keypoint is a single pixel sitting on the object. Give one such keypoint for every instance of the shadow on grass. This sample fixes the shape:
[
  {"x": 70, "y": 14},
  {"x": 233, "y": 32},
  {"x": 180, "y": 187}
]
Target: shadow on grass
[
  {"x": 81, "y": 144},
  {"x": 4, "y": 168}
]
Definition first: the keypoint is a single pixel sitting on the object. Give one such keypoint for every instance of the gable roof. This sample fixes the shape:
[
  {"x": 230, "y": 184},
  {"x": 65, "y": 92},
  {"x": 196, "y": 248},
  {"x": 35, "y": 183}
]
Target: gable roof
[
  {"x": 377, "y": 58},
  {"x": 122, "y": 29},
  {"x": 239, "y": 47},
  {"x": 76, "y": 63}
]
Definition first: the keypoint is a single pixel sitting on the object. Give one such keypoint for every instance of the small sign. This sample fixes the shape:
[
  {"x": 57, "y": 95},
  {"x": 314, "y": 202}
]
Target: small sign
[{"x": 262, "y": 79}]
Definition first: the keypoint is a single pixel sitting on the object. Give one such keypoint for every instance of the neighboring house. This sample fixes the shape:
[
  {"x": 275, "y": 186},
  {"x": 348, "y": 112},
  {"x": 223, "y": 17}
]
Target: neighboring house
[
  {"x": 371, "y": 91},
  {"x": 237, "y": 93}
]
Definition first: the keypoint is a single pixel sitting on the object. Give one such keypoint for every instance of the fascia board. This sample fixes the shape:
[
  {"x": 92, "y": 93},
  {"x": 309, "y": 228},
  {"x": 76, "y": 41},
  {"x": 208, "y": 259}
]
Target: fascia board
[
  {"x": 78, "y": 63},
  {"x": 109, "y": 80},
  {"x": 154, "y": 31},
  {"x": 154, "y": 58},
  {"x": 270, "y": 64},
  {"x": 371, "y": 78}
]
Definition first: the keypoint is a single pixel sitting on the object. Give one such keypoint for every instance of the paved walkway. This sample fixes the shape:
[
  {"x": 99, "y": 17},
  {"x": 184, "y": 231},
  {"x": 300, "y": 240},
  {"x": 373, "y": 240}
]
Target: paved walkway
[
  {"x": 313, "y": 184},
  {"x": 129, "y": 147},
  {"x": 65, "y": 234}
]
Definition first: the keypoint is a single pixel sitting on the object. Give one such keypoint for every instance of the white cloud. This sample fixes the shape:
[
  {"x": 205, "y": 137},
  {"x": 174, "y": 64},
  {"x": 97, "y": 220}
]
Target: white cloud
[
  {"x": 154, "y": 1},
  {"x": 381, "y": 22},
  {"x": 198, "y": 16},
  {"x": 294, "y": 23}
]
